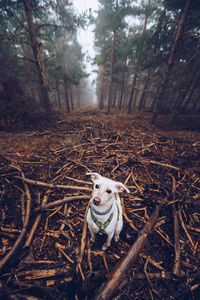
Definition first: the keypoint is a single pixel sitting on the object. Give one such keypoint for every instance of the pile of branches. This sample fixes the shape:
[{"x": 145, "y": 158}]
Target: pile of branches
[{"x": 45, "y": 251}]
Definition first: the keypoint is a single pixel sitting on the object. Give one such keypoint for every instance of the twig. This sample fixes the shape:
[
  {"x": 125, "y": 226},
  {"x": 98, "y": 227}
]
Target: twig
[
  {"x": 184, "y": 227},
  {"x": 140, "y": 190},
  {"x": 153, "y": 262},
  {"x": 147, "y": 276},
  {"x": 145, "y": 148},
  {"x": 59, "y": 247},
  {"x": 126, "y": 217}
]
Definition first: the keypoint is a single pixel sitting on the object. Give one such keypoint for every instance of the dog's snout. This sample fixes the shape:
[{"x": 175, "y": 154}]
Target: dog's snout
[{"x": 97, "y": 200}]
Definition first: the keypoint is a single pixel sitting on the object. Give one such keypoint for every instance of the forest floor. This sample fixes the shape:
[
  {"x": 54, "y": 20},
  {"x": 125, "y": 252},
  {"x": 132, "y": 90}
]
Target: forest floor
[{"x": 45, "y": 251}]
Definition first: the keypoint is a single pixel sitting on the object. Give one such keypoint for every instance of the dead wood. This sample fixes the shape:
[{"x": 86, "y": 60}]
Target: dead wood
[
  {"x": 160, "y": 164},
  {"x": 35, "y": 224},
  {"x": 54, "y": 186},
  {"x": 108, "y": 289},
  {"x": 4, "y": 262},
  {"x": 61, "y": 202},
  {"x": 177, "y": 248}
]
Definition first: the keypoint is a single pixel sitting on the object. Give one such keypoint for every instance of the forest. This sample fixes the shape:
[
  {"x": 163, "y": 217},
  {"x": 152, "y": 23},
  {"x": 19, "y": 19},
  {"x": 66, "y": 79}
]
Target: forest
[{"x": 141, "y": 128}]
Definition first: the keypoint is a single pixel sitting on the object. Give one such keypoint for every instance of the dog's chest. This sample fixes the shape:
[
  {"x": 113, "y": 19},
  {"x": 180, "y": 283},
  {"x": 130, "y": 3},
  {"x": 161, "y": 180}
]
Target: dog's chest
[{"x": 102, "y": 223}]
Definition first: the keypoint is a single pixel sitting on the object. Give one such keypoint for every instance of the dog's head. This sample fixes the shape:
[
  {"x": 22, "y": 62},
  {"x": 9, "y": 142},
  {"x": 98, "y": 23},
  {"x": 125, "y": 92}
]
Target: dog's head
[{"x": 104, "y": 189}]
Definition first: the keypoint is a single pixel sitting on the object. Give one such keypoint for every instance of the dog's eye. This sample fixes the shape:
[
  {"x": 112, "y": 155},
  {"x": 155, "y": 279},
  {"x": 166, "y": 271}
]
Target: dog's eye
[
  {"x": 108, "y": 191},
  {"x": 97, "y": 186}
]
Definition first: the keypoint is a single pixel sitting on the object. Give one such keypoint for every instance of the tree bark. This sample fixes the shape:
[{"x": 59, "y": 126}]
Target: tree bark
[
  {"x": 112, "y": 64},
  {"x": 130, "y": 102},
  {"x": 58, "y": 92},
  {"x": 64, "y": 69},
  {"x": 35, "y": 45},
  {"x": 138, "y": 63},
  {"x": 101, "y": 102},
  {"x": 142, "y": 98},
  {"x": 79, "y": 98},
  {"x": 111, "y": 70},
  {"x": 171, "y": 60},
  {"x": 190, "y": 91},
  {"x": 123, "y": 84},
  {"x": 71, "y": 96},
  {"x": 66, "y": 96}
]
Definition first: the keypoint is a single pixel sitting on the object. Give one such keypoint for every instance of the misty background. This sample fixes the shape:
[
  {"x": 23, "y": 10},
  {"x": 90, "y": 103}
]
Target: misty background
[{"x": 127, "y": 55}]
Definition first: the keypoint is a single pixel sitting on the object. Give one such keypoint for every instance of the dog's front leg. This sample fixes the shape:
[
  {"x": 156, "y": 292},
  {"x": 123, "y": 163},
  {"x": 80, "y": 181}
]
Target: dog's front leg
[
  {"x": 108, "y": 242},
  {"x": 118, "y": 229},
  {"x": 92, "y": 233}
]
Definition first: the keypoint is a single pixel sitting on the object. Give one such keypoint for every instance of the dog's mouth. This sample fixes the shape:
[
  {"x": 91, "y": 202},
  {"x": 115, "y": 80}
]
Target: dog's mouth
[{"x": 96, "y": 201}]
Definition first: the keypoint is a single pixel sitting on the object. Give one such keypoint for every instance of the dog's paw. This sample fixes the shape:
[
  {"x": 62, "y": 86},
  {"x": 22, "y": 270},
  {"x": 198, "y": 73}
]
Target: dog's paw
[
  {"x": 116, "y": 238},
  {"x": 104, "y": 247},
  {"x": 92, "y": 240}
]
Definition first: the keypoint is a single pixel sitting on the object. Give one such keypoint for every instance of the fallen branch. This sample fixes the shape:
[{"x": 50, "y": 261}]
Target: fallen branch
[
  {"x": 18, "y": 242},
  {"x": 54, "y": 186},
  {"x": 35, "y": 274},
  {"x": 110, "y": 287},
  {"x": 37, "y": 221},
  {"x": 60, "y": 202},
  {"x": 83, "y": 242},
  {"x": 177, "y": 247},
  {"x": 160, "y": 164}
]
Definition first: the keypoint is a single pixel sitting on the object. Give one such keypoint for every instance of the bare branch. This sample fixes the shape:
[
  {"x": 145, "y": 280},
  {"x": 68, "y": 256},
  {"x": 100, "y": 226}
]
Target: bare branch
[
  {"x": 10, "y": 12},
  {"x": 14, "y": 39}
]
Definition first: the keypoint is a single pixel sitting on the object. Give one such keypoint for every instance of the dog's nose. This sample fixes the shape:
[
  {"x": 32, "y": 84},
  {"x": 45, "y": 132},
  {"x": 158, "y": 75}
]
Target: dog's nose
[{"x": 97, "y": 200}]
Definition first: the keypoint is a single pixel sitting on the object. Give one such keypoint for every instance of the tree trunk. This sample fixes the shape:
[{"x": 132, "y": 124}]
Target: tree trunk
[
  {"x": 35, "y": 45},
  {"x": 79, "y": 98},
  {"x": 171, "y": 60},
  {"x": 142, "y": 98},
  {"x": 136, "y": 92},
  {"x": 58, "y": 93},
  {"x": 66, "y": 96},
  {"x": 71, "y": 96},
  {"x": 114, "y": 96},
  {"x": 111, "y": 70},
  {"x": 64, "y": 69},
  {"x": 123, "y": 84},
  {"x": 101, "y": 102},
  {"x": 28, "y": 72},
  {"x": 131, "y": 94},
  {"x": 138, "y": 63},
  {"x": 112, "y": 64},
  {"x": 190, "y": 91}
]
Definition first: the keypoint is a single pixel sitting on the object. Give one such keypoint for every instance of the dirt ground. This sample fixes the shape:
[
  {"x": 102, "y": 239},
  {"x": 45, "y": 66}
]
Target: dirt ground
[{"x": 45, "y": 252}]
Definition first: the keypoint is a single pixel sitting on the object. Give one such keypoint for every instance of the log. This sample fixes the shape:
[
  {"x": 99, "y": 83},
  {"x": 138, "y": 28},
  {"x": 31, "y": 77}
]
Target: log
[{"x": 109, "y": 288}]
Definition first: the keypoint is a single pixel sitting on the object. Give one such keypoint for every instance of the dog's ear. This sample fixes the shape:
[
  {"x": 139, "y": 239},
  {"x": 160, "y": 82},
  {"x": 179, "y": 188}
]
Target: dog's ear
[
  {"x": 120, "y": 187},
  {"x": 94, "y": 176}
]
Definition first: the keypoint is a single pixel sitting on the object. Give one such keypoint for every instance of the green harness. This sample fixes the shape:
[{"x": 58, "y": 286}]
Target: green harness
[{"x": 103, "y": 225}]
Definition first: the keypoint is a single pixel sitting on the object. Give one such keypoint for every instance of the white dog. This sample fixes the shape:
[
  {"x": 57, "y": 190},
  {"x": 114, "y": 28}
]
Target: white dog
[{"x": 105, "y": 212}]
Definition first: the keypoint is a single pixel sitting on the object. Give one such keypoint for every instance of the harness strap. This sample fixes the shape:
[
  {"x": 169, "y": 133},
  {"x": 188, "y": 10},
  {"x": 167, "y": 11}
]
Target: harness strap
[
  {"x": 99, "y": 212},
  {"x": 103, "y": 225}
]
